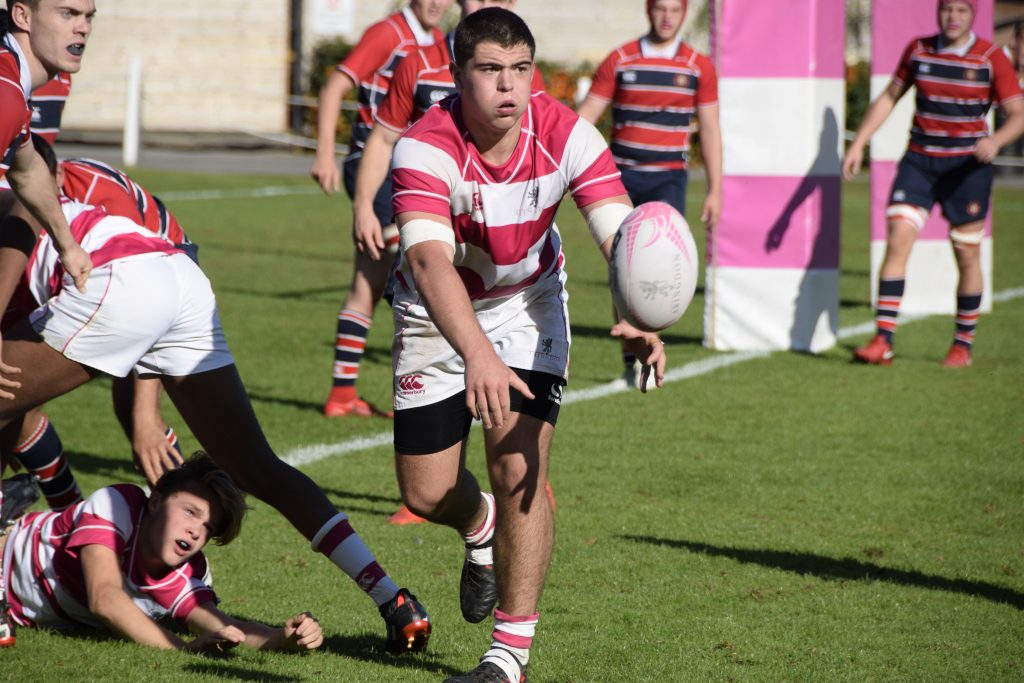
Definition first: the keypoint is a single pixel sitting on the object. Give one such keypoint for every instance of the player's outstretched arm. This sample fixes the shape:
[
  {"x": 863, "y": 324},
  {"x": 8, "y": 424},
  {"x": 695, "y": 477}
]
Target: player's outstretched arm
[
  {"x": 108, "y": 601},
  {"x": 878, "y": 111},
  {"x": 298, "y": 634},
  {"x": 37, "y": 190},
  {"x": 325, "y": 167},
  {"x": 373, "y": 171},
  {"x": 429, "y": 251}
]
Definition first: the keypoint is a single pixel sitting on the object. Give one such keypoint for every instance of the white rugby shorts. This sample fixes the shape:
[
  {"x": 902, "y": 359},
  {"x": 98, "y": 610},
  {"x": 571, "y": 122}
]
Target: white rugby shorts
[
  {"x": 155, "y": 313},
  {"x": 529, "y": 331}
]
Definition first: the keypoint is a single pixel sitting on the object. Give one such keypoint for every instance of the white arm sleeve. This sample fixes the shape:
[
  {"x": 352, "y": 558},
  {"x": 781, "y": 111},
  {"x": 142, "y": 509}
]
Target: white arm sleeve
[
  {"x": 604, "y": 221},
  {"x": 425, "y": 230}
]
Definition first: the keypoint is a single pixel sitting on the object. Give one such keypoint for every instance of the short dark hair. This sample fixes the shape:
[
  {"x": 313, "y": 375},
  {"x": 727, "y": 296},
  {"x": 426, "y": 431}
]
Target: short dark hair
[
  {"x": 491, "y": 24},
  {"x": 45, "y": 150},
  {"x": 201, "y": 469}
]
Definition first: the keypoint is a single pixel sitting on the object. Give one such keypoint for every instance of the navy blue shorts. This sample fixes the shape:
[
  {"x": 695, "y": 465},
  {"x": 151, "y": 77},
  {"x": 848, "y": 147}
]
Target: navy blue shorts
[
  {"x": 962, "y": 185},
  {"x": 381, "y": 203},
  {"x": 656, "y": 186}
]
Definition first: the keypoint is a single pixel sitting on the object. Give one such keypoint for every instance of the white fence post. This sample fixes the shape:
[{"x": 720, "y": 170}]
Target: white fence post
[{"x": 132, "y": 114}]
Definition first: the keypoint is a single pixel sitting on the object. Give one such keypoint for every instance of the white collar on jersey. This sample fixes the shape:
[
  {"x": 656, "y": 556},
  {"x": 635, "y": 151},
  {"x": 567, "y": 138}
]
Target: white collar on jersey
[
  {"x": 958, "y": 51},
  {"x": 26, "y": 76},
  {"x": 423, "y": 36},
  {"x": 649, "y": 49}
]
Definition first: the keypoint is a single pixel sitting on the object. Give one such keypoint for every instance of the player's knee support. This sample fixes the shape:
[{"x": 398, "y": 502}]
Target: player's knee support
[
  {"x": 966, "y": 238},
  {"x": 915, "y": 215}
]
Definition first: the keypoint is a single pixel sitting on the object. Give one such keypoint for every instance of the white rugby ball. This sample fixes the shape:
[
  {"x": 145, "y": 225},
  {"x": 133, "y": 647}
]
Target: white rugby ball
[{"x": 653, "y": 267}]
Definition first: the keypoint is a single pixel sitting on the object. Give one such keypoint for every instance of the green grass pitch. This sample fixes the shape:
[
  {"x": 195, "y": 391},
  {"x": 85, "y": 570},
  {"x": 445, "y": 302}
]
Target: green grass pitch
[{"x": 788, "y": 518}]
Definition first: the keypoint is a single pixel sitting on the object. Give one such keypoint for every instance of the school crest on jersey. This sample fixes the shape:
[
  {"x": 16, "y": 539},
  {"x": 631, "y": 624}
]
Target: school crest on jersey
[
  {"x": 629, "y": 77},
  {"x": 971, "y": 75}
]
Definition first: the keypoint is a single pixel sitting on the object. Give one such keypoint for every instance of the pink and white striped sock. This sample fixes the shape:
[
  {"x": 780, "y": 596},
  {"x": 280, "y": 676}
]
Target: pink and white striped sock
[
  {"x": 510, "y": 643},
  {"x": 343, "y": 546},
  {"x": 485, "y": 532}
]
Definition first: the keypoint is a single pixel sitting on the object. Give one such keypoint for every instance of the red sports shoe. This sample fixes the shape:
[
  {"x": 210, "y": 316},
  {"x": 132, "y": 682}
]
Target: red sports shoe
[
  {"x": 356, "y": 406},
  {"x": 876, "y": 352},
  {"x": 959, "y": 356},
  {"x": 405, "y": 516},
  {"x": 7, "y": 637}
]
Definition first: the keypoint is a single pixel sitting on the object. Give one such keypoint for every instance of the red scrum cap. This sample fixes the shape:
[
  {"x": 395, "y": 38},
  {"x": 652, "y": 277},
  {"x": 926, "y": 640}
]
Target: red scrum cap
[
  {"x": 973, "y": 4},
  {"x": 650, "y": 5}
]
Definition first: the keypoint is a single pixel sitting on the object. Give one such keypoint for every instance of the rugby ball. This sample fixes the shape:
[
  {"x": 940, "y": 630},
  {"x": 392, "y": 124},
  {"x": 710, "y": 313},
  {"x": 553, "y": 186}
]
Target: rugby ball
[{"x": 653, "y": 267}]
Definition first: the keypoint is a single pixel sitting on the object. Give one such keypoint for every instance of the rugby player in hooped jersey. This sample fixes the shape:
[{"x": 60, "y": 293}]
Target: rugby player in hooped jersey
[
  {"x": 656, "y": 85},
  {"x": 124, "y": 561},
  {"x": 481, "y": 320},
  {"x": 948, "y": 161},
  {"x": 44, "y": 38},
  {"x": 148, "y": 308}
]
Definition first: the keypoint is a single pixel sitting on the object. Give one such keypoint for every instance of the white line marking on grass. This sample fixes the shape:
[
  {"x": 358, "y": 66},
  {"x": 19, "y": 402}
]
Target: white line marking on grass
[
  {"x": 240, "y": 193},
  {"x": 306, "y": 455}
]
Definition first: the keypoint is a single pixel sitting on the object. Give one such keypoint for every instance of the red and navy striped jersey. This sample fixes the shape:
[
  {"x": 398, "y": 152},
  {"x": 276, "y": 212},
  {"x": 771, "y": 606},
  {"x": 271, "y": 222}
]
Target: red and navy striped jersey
[
  {"x": 955, "y": 89},
  {"x": 422, "y": 80},
  {"x": 47, "y": 104},
  {"x": 46, "y": 586},
  {"x": 98, "y": 184},
  {"x": 653, "y": 101},
  {"x": 372, "y": 63},
  {"x": 15, "y": 114},
  {"x": 502, "y": 216}
]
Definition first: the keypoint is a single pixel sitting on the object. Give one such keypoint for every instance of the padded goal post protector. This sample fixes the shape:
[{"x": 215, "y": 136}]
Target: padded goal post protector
[
  {"x": 772, "y": 278},
  {"x": 931, "y": 272}
]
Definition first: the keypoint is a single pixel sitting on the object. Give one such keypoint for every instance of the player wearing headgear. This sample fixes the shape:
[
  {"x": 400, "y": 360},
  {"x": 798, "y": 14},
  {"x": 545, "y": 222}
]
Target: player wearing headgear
[
  {"x": 369, "y": 66},
  {"x": 481, "y": 323},
  {"x": 124, "y": 560},
  {"x": 148, "y": 307},
  {"x": 656, "y": 85},
  {"x": 958, "y": 77}
]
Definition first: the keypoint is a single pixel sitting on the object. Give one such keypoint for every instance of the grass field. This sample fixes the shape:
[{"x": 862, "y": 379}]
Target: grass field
[{"x": 789, "y": 517}]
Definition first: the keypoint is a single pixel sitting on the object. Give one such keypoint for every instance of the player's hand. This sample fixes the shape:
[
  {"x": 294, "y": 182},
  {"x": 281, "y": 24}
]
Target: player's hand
[
  {"x": 711, "y": 210},
  {"x": 152, "y": 454},
  {"x": 648, "y": 349},
  {"x": 852, "y": 162},
  {"x": 367, "y": 233},
  {"x": 985, "y": 151},
  {"x": 302, "y": 632},
  {"x": 6, "y": 382},
  {"x": 77, "y": 263},
  {"x": 325, "y": 172},
  {"x": 221, "y": 640},
  {"x": 487, "y": 383}
]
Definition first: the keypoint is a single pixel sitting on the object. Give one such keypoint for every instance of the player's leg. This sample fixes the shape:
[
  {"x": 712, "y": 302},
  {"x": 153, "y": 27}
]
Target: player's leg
[
  {"x": 911, "y": 197},
  {"x": 38, "y": 448},
  {"x": 369, "y": 279},
  {"x": 430, "y": 455},
  {"x": 217, "y": 410}
]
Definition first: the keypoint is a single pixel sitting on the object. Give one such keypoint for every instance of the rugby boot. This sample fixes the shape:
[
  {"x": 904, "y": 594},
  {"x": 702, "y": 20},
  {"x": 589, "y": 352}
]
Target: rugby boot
[
  {"x": 408, "y": 625},
  {"x": 405, "y": 516},
  {"x": 356, "y": 407},
  {"x": 19, "y": 493},
  {"x": 487, "y": 672},
  {"x": 7, "y": 638},
  {"x": 878, "y": 351},
  {"x": 959, "y": 356},
  {"x": 478, "y": 587}
]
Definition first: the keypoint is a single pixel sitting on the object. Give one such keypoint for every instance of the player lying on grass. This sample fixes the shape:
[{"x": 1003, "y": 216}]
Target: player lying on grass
[
  {"x": 148, "y": 307},
  {"x": 122, "y": 561}
]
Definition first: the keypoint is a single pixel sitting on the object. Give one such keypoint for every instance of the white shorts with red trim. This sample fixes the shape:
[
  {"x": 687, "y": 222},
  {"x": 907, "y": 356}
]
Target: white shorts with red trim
[
  {"x": 529, "y": 331},
  {"x": 155, "y": 313}
]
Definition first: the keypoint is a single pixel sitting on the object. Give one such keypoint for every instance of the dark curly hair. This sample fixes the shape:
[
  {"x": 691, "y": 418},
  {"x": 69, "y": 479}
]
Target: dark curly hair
[{"x": 201, "y": 469}]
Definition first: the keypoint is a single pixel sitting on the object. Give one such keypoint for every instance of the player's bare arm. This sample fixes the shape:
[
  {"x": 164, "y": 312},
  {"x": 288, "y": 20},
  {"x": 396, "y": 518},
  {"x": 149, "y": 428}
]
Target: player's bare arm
[
  {"x": 1012, "y": 128},
  {"x": 218, "y": 630},
  {"x": 325, "y": 167},
  {"x": 711, "y": 152},
  {"x": 104, "y": 585},
  {"x": 591, "y": 109},
  {"x": 449, "y": 306},
  {"x": 37, "y": 191},
  {"x": 18, "y": 235},
  {"x": 878, "y": 111},
  {"x": 373, "y": 171},
  {"x": 151, "y": 451}
]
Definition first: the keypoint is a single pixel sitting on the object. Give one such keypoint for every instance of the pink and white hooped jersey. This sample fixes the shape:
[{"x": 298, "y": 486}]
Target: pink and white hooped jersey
[
  {"x": 503, "y": 216},
  {"x": 45, "y": 585},
  {"x": 106, "y": 238}
]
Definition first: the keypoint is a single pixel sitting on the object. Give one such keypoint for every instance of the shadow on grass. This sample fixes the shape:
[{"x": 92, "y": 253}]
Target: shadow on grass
[
  {"x": 293, "y": 295},
  {"x": 847, "y": 568},
  {"x": 598, "y": 332},
  {"x": 301, "y": 404},
  {"x": 235, "y": 673},
  {"x": 367, "y": 647},
  {"x": 112, "y": 468}
]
